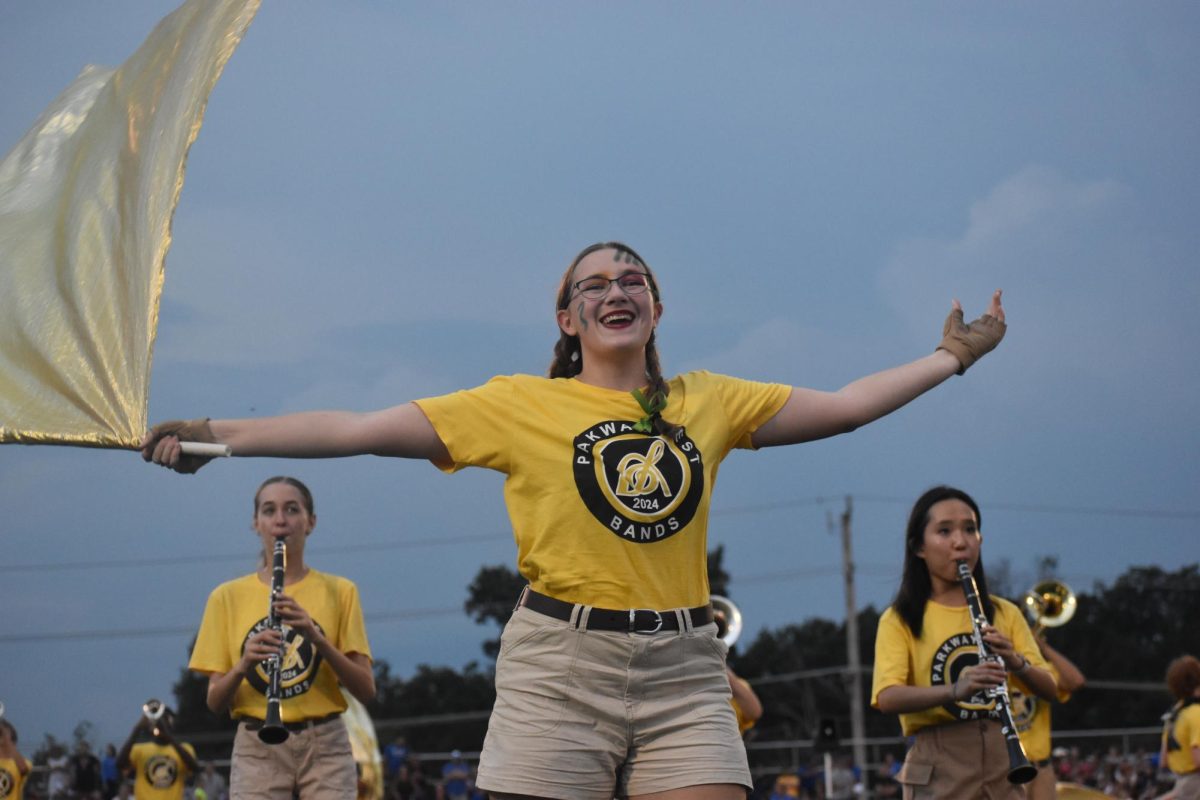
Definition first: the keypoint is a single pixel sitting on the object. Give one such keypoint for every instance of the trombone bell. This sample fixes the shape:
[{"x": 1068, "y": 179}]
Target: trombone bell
[
  {"x": 729, "y": 619},
  {"x": 1049, "y": 604}
]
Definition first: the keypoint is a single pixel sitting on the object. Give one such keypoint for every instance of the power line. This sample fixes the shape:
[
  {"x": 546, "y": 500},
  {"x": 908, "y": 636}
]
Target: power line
[
  {"x": 180, "y": 630},
  {"x": 1039, "y": 508},
  {"x": 444, "y": 541}
]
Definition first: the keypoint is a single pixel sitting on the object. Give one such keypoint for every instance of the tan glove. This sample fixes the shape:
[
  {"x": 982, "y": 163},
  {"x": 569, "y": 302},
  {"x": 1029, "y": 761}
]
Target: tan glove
[
  {"x": 969, "y": 343},
  {"x": 192, "y": 430}
]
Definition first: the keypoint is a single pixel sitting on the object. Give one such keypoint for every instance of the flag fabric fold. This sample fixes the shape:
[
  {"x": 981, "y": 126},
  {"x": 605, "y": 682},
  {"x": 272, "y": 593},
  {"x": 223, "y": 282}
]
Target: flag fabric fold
[{"x": 86, "y": 200}]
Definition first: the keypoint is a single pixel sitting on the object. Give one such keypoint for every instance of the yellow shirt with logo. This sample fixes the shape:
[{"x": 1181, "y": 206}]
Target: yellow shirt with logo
[
  {"x": 1032, "y": 715},
  {"x": 947, "y": 645},
  {"x": 1181, "y": 737},
  {"x": 308, "y": 685},
  {"x": 12, "y": 782},
  {"x": 604, "y": 515},
  {"x": 159, "y": 771}
]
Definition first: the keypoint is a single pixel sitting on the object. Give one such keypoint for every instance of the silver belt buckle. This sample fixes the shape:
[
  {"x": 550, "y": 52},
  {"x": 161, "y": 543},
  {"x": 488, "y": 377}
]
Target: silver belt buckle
[{"x": 658, "y": 621}]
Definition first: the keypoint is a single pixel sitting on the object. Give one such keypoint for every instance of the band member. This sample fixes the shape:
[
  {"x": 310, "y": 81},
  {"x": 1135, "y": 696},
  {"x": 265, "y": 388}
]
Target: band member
[
  {"x": 324, "y": 643},
  {"x": 746, "y": 706},
  {"x": 160, "y": 766},
  {"x": 1033, "y": 720},
  {"x": 1181, "y": 729},
  {"x": 13, "y": 766},
  {"x": 927, "y": 665},
  {"x": 610, "y": 679}
]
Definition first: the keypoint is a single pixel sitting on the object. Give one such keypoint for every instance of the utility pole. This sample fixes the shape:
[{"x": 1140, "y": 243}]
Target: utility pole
[{"x": 854, "y": 679}]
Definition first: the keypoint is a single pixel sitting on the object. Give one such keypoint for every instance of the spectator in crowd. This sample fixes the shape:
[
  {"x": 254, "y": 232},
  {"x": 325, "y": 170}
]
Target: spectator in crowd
[
  {"x": 886, "y": 786},
  {"x": 85, "y": 772},
  {"x": 212, "y": 782},
  {"x": 110, "y": 776},
  {"x": 59, "y": 764},
  {"x": 456, "y": 777},
  {"x": 395, "y": 755}
]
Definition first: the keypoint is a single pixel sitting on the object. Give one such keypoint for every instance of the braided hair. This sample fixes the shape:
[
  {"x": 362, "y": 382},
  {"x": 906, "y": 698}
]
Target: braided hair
[{"x": 568, "y": 357}]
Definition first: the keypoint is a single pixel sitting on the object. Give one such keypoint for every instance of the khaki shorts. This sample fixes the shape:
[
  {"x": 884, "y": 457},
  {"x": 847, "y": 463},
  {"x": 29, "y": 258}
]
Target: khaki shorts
[
  {"x": 316, "y": 762},
  {"x": 1187, "y": 786},
  {"x": 593, "y": 715},
  {"x": 958, "y": 761}
]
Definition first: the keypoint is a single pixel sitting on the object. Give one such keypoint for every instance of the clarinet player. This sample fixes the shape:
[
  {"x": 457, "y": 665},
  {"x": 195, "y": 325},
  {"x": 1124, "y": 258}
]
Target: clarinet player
[
  {"x": 323, "y": 643},
  {"x": 927, "y": 660}
]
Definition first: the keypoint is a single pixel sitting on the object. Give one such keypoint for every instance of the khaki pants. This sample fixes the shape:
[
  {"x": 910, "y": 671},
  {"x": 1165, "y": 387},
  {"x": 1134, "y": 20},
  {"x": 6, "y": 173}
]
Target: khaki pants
[
  {"x": 316, "y": 762},
  {"x": 959, "y": 761},
  {"x": 1187, "y": 787},
  {"x": 593, "y": 715},
  {"x": 1043, "y": 786}
]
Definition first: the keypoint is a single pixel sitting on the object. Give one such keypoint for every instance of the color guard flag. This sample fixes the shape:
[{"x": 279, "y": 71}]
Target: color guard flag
[{"x": 86, "y": 200}]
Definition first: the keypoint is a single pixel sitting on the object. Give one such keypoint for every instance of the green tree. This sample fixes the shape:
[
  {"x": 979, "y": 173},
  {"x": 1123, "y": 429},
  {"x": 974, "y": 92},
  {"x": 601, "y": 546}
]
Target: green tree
[
  {"x": 718, "y": 578},
  {"x": 1128, "y": 632},
  {"x": 435, "y": 692},
  {"x": 491, "y": 598}
]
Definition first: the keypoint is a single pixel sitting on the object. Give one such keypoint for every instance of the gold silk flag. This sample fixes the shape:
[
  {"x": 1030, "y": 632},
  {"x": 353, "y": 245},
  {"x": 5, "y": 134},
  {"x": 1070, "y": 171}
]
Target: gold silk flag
[{"x": 86, "y": 200}]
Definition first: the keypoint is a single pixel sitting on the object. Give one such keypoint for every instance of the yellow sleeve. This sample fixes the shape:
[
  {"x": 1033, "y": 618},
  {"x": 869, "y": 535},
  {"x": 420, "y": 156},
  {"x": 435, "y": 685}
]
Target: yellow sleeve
[
  {"x": 474, "y": 424},
  {"x": 354, "y": 634},
  {"x": 1011, "y": 622},
  {"x": 893, "y": 667},
  {"x": 212, "y": 653},
  {"x": 748, "y": 405}
]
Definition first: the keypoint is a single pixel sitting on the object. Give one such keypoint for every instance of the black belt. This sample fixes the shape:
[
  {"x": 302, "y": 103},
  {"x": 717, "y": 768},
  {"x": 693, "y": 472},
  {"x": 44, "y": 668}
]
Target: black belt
[
  {"x": 294, "y": 727},
  {"x": 633, "y": 620}
]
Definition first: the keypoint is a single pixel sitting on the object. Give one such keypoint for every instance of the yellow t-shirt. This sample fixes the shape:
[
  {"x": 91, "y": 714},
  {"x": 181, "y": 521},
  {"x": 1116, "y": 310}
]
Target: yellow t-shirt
[
  {"x": 1032, "y": 715},
  {"x": 1181, "y": 737},
  {"x": 159, "y": 772},
  {"x": 946, "y": 646},
  {"x": 604, "y": 515},
  {"x": 308, "y": 685},
  {"x": 12, "y": 782}
]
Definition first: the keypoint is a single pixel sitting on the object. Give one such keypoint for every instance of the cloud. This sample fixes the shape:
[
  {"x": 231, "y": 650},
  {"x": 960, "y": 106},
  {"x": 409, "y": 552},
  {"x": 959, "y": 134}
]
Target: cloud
[{"x": 1087, "y": 288}]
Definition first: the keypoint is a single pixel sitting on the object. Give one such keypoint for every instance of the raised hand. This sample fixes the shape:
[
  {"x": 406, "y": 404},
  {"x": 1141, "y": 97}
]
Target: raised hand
[{"x": 969, "y": 343}]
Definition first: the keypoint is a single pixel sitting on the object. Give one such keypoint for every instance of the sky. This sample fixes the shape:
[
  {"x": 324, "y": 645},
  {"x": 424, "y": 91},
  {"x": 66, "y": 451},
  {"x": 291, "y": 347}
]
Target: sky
[{"x": 384, "y": 195}]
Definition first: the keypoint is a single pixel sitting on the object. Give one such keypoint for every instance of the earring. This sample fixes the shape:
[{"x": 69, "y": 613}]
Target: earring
[{"x": 574, "y": 356}]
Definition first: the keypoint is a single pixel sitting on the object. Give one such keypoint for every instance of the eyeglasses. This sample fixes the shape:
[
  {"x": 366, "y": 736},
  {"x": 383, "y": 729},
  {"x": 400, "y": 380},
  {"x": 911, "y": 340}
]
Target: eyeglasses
[{"x": 596, "y": 287}]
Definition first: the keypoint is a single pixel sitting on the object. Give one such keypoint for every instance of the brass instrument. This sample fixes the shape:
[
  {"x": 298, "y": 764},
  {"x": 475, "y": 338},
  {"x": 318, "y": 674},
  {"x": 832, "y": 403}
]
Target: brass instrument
[
  {"x": 1049, "y": 604},
  {"x": 728, "y": 617},
  {"x": 153, "y": 710},
  {"x": 272, "y": 730},
  {"x": 1020, "y": 768}
]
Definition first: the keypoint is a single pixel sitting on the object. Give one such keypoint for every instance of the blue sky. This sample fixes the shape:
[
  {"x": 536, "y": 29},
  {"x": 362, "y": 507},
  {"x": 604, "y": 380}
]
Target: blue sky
[{"x": 384, "y": 195}]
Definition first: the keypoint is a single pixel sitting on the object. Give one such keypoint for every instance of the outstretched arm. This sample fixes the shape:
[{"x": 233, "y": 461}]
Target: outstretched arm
[
  {"x": 402, "y": 431},
  {"x": 809, "y": 414}
]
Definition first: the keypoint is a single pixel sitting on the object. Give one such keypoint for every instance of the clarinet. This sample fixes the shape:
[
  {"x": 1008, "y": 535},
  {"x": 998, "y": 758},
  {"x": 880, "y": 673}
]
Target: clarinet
[
  {"x": 1020, "y": 769},
  {"x": 272, "y": 730}
]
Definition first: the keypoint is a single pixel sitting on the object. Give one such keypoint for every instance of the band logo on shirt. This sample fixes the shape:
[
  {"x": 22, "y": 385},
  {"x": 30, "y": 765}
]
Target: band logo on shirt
[
  {"x": 161, "y": 771},
  {"x": 642, "y": 488},
  {"x": 1024, "y": 708},
  {"x": 952, "y": 657},
  {"x": 7, "y": 783},
  {"x": 300, "y": 663}
]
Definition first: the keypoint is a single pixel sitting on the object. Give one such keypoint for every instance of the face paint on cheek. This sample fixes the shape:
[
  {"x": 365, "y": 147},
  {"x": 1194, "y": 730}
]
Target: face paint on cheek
[{"x": 583, "y": 323}]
